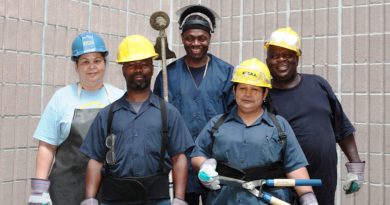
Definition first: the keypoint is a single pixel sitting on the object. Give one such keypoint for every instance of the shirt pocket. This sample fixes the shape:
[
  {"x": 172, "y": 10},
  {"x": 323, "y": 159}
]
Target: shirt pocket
[
  {"x": 152, "y": 138},
  {"x": 222, "y": 148},
  {"x": 275, "y": 146}
]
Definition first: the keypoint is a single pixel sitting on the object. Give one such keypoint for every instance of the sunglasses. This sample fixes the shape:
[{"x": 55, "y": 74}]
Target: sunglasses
[{"x": 110, "y": 144}]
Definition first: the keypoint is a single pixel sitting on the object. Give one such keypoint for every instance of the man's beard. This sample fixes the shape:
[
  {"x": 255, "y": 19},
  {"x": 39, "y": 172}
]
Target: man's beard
[{"x": 138, "y": 85}]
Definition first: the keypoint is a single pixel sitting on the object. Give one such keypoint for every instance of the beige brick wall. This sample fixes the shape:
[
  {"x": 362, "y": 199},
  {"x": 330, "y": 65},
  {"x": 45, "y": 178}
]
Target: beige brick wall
[{"x": 345, "y": 41}]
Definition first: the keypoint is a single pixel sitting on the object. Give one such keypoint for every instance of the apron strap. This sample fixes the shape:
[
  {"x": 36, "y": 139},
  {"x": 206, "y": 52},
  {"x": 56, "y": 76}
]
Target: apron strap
[
  {"x": 110, "y": 117},
  {"x": 281, "y": 133},
  {"x": 217, "y": 124},
  {"x": 79, "y": 88},
  {"x": 109, "y": 131}
]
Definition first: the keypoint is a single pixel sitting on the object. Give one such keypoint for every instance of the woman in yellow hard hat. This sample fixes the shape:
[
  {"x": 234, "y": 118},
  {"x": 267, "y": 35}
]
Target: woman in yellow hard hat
[{"x": 251, "y": 141}]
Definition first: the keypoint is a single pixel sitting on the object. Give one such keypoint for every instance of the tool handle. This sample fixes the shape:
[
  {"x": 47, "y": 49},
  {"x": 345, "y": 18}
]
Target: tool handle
[
  {"x": 292, "y": 182},
  {"x": 268, "y": 198}
]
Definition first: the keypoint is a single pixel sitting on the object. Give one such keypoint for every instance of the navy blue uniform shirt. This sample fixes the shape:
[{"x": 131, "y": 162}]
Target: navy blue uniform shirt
[
  {"x": 318, "y": 121},
  {"x": 198, "y": 104},
  {"x": 138, "y": 142},
  {"x": 245, "y": 147}
]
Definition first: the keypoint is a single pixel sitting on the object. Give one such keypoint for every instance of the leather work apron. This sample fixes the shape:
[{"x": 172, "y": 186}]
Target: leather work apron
[{"x": 67, "y": 177}]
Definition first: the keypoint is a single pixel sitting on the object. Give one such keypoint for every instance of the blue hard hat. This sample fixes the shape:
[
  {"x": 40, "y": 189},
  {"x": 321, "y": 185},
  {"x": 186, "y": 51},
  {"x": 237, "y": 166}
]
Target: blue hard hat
[{"x": 87, "y": 43}]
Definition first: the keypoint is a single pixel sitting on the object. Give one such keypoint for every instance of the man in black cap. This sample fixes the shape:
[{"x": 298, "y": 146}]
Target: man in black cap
[{"x": 199, "y": 83}]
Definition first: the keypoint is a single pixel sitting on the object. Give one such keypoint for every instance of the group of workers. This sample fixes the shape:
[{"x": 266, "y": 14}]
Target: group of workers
[{"x": 99, "y": 144}]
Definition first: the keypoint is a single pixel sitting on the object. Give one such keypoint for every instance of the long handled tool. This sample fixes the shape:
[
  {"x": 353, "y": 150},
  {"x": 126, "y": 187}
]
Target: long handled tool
[
  {"x": 251, "y": 186},
  {"x": 160, "y": 21}
]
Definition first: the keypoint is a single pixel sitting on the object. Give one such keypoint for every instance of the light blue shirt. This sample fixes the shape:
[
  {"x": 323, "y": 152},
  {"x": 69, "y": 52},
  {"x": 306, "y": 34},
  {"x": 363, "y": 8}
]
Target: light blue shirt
[{"x": 54, "y": 126}]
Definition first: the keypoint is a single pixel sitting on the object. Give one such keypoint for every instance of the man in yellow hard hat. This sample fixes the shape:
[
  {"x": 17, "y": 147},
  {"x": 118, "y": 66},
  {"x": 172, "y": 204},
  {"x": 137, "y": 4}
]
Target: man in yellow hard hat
[
  {"x": 198, "y": 83},
  {"x": 313, "y": 110},
  {"x": 252, "y": 140},
  {"x": 133, "y": 143}
]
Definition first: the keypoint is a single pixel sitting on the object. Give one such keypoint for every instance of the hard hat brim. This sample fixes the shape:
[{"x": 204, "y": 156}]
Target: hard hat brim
[
  {"x": 137, "y": 58},
  {"x": 267, "y": 44}
]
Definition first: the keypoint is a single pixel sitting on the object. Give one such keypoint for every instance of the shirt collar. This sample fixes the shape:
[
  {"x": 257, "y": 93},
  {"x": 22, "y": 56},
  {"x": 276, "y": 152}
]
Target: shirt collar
[
  {"x": 184, "y": 65},
  {"x": 263, "y": 118},
  {"x": 152, "y": 100}
]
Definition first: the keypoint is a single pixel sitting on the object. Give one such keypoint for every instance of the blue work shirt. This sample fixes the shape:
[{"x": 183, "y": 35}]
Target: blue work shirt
[
  {"x": 138, "y": 141},
  {"x": 245, "y": 147},
  {"x": 198, "y": 104}
]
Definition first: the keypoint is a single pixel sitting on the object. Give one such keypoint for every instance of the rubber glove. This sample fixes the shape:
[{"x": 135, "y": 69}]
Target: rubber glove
[
  {"x": 39, "y": 192},
  {"x": 207, "y": 174},
  {"x": 308, "y": 199},
  {"x": 90, "y": 201},
  {"x": 355, "y": 176},
  {"x": 177, "y": 201}
]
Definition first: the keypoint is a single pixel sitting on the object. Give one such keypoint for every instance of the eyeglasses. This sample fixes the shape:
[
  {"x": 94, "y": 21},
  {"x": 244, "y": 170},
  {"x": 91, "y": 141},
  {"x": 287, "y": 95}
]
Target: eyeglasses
[{"x": 110, "y": 144}]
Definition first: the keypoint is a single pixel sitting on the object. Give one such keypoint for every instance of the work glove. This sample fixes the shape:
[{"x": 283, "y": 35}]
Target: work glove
[
  {"x": 355, "y": 177},
  {"x": 308, "y": 199},
  {"x": 39, "y": 192},
  {"x": 177, "y": 201},
  {"x": 90, "y": 201},
  {"x": 207, "y": 174}
]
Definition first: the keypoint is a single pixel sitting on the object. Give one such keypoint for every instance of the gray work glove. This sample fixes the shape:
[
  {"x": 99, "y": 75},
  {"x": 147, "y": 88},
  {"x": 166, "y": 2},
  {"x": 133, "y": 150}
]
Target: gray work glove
[
  {"x": 207, "y": 174},
  {"x": 39, "y": 192},
  {"x": 355, "y": 177},
  {"x": 90, "y": 201},
  {"x": 177, "y": 201},
  {"x": 308, "y": 199}
]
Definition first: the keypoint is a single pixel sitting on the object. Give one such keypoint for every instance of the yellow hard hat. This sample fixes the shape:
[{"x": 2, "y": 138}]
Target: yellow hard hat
[
  {"x": 252, "y": 72},
  {"x": 134, "y": 48},
  {"x": 286, "y": 38}
]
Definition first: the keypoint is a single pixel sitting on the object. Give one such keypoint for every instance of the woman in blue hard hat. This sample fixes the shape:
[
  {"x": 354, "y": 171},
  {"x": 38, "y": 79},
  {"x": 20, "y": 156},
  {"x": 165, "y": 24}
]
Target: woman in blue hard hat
[{"x": 65, "y": 122}]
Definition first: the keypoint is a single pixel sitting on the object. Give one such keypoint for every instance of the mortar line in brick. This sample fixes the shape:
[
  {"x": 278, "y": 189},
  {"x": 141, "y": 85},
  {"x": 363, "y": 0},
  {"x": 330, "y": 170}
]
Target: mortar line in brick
[
  {"x": 89, "y": 14},
  {"x": 369, "y": 105},
  {"x": 241, "y": 30},
  {"x": 383, "y": 113},
  {"x": 127, "y": 17},
  {"x": 374, "y": 123}
]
